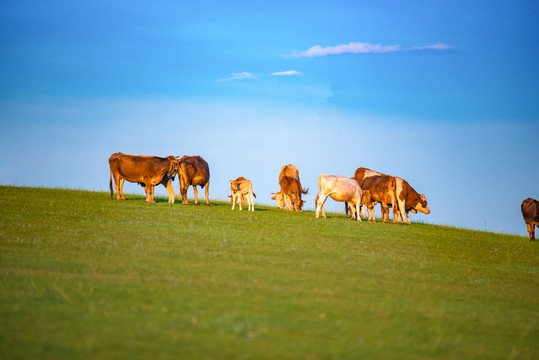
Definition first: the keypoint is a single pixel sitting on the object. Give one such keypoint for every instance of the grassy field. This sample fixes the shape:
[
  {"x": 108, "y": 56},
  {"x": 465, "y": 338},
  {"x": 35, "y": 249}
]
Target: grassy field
[{"x": 84, "y": 276}]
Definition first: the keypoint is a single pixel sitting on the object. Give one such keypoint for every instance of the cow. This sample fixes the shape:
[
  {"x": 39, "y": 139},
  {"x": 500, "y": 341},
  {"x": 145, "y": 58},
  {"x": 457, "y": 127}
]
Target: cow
[
  {"x": 244, "y": 200},
  {"x": 340, "y": 188},
  {"x": 193, "y": 170},
  {"x": 282, "y": 200},
  {"x": 382, "y": 189},
  {"x": 409, "y": 200},
  {"x": 242, "y": 187},
  {"x": 291, "y": 190},
  {"x": 149, "y": 171},
  {"x": 530, "y": 213}
]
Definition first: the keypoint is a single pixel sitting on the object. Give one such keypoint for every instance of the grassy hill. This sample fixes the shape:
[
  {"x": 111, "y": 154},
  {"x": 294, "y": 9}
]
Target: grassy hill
[{"x": 84, "y": 276}]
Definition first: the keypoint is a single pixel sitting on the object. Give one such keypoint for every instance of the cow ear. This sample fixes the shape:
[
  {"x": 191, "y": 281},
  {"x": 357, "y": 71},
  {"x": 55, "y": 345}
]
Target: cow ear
[{"x": 230, "y": 181}]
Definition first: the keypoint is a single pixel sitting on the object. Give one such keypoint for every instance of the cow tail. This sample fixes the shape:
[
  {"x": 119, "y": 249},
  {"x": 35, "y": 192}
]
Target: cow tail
[
  {"x": 110, "y": 186},
  {"x": 393, "y": 194},
  {"x": 304, "y": 192}
]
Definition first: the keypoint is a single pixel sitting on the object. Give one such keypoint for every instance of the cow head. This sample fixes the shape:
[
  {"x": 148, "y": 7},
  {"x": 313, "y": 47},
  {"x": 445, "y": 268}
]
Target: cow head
[
  {"x": 173, "y": 167},
  {"x": 234, "y": 186},
  {"x": 366, "y": 198},
  {"x": 422, "y": 205},
  {"x": 299, "y": 204},
  {"x": 279, "y": 198}
]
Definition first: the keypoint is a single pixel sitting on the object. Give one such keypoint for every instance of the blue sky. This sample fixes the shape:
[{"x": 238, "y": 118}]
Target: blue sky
[{"x": 440, "y": 93}]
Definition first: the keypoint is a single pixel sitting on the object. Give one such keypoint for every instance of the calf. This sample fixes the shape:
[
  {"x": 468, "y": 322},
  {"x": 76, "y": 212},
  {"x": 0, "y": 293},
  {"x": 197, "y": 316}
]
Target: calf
[
  {"x": 242, "y": 187},
  {"x": 382, "y": 190},
  {"x": 530, "y": 213}
]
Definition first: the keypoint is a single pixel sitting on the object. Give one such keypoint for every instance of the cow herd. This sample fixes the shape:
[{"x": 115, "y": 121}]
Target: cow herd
[{"x": 365, "y": 189}]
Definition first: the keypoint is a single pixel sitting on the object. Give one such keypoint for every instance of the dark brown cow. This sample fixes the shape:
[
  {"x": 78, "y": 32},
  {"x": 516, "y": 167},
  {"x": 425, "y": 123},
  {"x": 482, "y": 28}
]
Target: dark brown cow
[
  {"x": 291, "y": 188},
  {"x": 193, "y": 170},
  {"x": 382, "y": 189},
  {"x": 530, "y": 213},
  {"x": 149, "y": 171}
]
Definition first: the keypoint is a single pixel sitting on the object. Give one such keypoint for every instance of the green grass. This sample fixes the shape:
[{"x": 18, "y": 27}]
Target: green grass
[{"x": 84, "y": 276}]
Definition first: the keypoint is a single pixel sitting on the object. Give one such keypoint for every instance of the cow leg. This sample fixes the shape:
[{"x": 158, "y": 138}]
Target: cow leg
[
  {"x": 118, "y": 187},
  {"x": 252, "y": 199},
  {"x": 184, "y": 186},
  {"x": 531, "y": 231},
  {"x": 358, "y": 205},
  {"x": 239, "y": 202},
  {"x": 170, "y": 192},
  {"x": 207, "y": 191},
  {"x": 385, "y": 213},
  {"x": 148, "y": 189},
  {"x": 196, "y": 194},
  {"x": 233, "y": 200},
  {"x": 320, "y": 205}
]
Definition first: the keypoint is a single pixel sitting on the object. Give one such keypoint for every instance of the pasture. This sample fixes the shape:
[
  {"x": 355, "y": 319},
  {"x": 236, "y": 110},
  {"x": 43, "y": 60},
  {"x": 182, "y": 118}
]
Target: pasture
[{"x": 83, "y": 276}]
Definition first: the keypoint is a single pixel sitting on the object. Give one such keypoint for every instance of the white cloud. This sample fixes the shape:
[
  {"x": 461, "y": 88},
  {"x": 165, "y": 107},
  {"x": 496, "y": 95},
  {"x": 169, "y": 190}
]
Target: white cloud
[
  {"x": 439, "y": 46},
  {"x": 239, "y": 76},
  {"x": 360, "y": 48},
  {"x": 287, "y": 73}
]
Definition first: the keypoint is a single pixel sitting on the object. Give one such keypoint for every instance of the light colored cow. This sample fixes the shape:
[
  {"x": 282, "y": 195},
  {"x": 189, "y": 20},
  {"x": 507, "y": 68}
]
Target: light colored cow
[
  {"x": 339, "y": 188},
  {"x": 242, "y": 187}
]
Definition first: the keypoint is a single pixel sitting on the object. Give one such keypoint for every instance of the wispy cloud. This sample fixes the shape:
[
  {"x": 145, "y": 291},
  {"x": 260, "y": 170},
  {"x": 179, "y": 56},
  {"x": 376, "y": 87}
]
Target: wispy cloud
[
  {"x": 287, "y": 73},
  {"x": 361, "y": 48},
  {"x": 239, "y": 76},
  {"x": 248, "y": 75}
]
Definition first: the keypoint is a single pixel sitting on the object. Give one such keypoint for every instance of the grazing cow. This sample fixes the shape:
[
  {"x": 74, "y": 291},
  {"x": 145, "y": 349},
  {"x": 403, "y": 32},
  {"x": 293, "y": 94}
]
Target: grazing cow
[
  {"x": 369, "y": 203},
  {"x": 241, "y": 187},
  {"x": 282, "y": 200},
  {"x": 382, "y": 189},
  {"x": 409, "y": 200},
  {"x": 530, "y": 213},
  {"x": 340, "y": 188},
  {"x": 149, "y": 171},
  {"x": 193, "y": 170},
  {"x": 291, "y": 190}
]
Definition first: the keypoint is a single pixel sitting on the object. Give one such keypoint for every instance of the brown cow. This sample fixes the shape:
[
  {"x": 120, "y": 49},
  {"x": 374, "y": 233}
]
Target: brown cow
[
  {"x": 292, "y": 190},
  {"x": 409, "y": 200},
  {"x": 382, "y": 189},
  {"x": 149, "y": 171},
  {"x": 282, "y": 200},
  {"x": 530, "y": 213},
  {"x": 193, "y": 170},
  {"x": 240, "y": 188}
]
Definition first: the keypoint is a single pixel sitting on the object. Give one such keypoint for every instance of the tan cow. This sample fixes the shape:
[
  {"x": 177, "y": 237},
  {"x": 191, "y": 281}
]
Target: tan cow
[
  {"x": 149, "y": 171},
  {"x": 291, "y": 190},
  {"x": 193, "y": 170},
  {"x": 242, "y": 187},
  {"x": 339, "y": 188},
  {"x": 283, "y": 201}
]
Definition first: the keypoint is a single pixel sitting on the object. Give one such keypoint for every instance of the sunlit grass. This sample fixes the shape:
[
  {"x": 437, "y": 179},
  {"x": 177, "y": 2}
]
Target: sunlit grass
[{"x": 83, "y": 276}]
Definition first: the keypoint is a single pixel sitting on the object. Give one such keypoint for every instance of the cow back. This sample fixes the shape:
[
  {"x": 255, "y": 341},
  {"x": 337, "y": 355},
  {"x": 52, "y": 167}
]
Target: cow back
[
  {"x": 530, "y": 210},
  {"x": 289, "y": 170},
  {"x": 194, "y": 170}
]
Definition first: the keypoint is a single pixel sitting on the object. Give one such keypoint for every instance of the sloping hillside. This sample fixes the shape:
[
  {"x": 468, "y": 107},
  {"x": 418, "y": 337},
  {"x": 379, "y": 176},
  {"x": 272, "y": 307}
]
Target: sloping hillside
[{"x": 84, "y": 276}]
